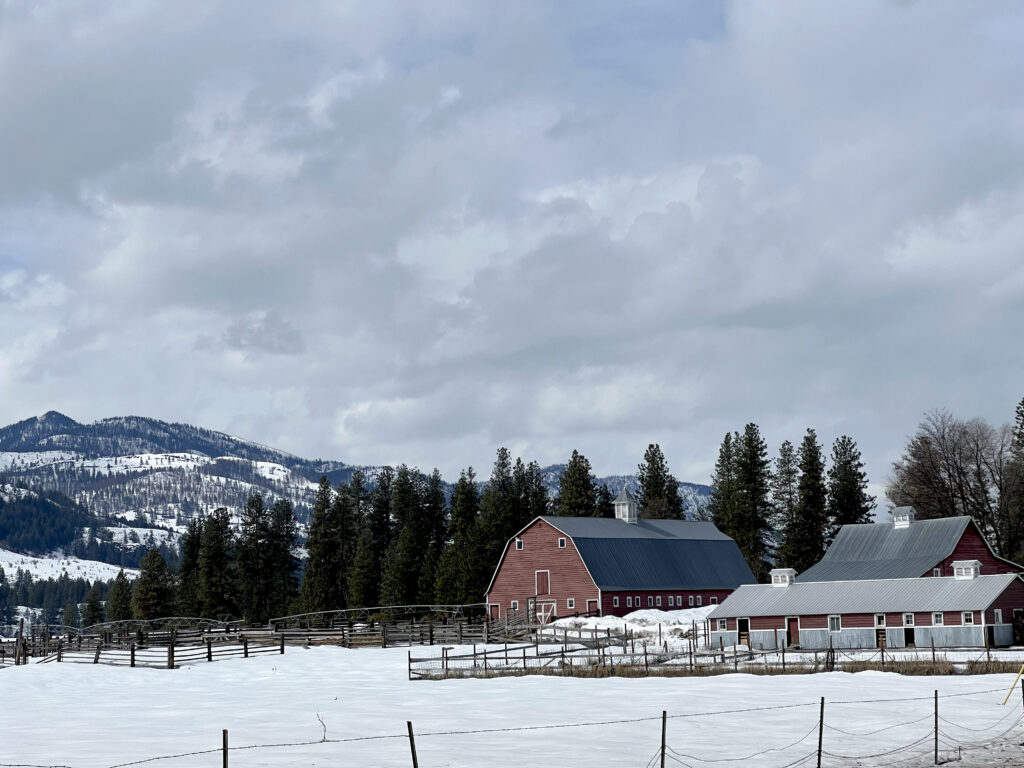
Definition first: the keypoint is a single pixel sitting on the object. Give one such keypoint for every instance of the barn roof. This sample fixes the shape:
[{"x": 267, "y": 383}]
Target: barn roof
[
  {"x": 865, "y": 596},
  {"x": 655, "y": 554},
  {"x": 882, "y": 551}
]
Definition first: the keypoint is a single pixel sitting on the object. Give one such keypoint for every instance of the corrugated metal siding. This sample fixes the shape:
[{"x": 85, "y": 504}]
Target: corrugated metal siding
[
  {"x": 847, "y": 597},
  {"x": 882, "y": 551}
]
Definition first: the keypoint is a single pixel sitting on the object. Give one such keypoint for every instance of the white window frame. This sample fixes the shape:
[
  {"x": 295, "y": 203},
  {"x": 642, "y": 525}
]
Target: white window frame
[
  {"x": 938, "y": 619},
  {"x": 937, "y": 572},
  {"x": 997, "y": 615},
  {"x": 657, "y": 601},
  {"x": 691, "y": 601},
  {"x": 514, "y": 605},
  {"x": 699, "y": 601},
  {"x": 679, "y": 601},
  {"x": 713, "y": 600},
  {"x": 629, "y": 601},
  {"x": 967, "y": 618},
  {"x": 838, "y": 623},
  {"x": 561, "y": 542},
  {"x": 650, "y": 601},
  {"x": 536, "y": 581},
  {"x": 907, "y": 616},
  {"x": 671, "y": 601},
  {"x": 723, "y": 625},
  {"x": 615, "y": 602},
  {"x": 570, "y": 603},
  {"x": 519, "y": 544},
  {"x": 879, "y": 621}
]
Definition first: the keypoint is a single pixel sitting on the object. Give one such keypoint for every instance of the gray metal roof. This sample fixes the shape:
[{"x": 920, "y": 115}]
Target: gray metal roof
[
  {"x": 656, "y": 554},
  {"x": 882, "y": 551},
  {"x": 868, "y": 596}
]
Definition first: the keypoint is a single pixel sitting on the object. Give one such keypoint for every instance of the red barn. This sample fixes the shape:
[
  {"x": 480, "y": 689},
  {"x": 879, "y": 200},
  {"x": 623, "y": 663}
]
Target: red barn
[{"x": 562, "y": 566}]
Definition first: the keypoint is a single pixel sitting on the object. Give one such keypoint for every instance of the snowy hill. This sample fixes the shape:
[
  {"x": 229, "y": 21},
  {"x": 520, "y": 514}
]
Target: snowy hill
[{"x": 54, "y": 567}]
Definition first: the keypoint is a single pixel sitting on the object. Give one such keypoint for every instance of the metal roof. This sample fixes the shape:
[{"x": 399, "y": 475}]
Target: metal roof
[
  {"x": 882, "y": 551},
  {"x": 624, "y": 496},
  {"x": 655, "y": 554},
  {"x": 868, "y": 596}
]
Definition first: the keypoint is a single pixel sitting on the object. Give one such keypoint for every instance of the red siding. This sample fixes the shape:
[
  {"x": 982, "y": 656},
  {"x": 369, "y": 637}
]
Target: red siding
[
  {"x": 609, "y": 608},
  {"x": 973, "y": 547},
  {"x": 516, "y": 578},
  {"x": 1012, "y": 597}
]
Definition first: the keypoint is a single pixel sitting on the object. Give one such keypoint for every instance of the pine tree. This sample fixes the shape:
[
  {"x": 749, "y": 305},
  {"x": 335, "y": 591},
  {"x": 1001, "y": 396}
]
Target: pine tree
[
  {"x": 848, "y": 500},
  {"x": 69, "y": 617},
  {"x": 721, "y": 507},
  {"x": 217, "y": 585},
  {"x": 577, "y": 488},
  {"x": 321, "y": 581},
  {"x": 435, "y": 526},
  {"x": 188, "y": 569},
  {"x": 658, "y": 491},
  {"x": 92, "y": 613},
  {"x": 364, "y": 579},
  {"x": 784, "y": 487},
  {"x": 119, "y": 599},
  {"x": 281, "y": 560},
  {"x": 605, "y": 503},
  {"x": 803, "y": 543},
  {"x": 753, "y": 505},
  {"x": 402, "y": 562},
  {"x": 153, "y": 594},
  {"x": 459, "y": 563}
]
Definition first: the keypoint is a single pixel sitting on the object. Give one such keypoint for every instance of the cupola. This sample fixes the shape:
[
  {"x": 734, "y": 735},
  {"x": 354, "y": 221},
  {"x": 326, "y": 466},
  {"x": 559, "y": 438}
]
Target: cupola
[
  {"x": 783, "y": 577},
  {"x": 902, "y": 517},
  {"x": 625, "y": 507}
]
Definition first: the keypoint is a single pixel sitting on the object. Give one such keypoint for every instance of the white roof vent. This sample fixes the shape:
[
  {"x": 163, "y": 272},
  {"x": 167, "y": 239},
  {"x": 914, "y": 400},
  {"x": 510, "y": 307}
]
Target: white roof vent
[
  {"x": 966, "y": 569},
  {"x": 625, "y": 507},
  {"x": 902, "y": 517},
  {"x": 783, "y": 577}
]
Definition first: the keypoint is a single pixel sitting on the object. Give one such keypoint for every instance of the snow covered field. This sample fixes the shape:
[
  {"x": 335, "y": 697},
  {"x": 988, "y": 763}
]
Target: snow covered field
[
  {"x": 53, "y": 567},
  {"x": 85, "y": 716}
]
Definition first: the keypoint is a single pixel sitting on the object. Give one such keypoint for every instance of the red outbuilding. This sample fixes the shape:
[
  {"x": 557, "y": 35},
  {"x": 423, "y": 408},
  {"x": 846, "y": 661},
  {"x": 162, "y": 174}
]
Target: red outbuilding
[{"x": 564, "y": 566}]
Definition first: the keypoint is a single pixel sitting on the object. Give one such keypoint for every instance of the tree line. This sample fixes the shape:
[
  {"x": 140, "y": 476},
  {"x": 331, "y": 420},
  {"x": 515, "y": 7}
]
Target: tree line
[
  {"x": 786, "y": 512},
  {"x": 954, "y": 466}
]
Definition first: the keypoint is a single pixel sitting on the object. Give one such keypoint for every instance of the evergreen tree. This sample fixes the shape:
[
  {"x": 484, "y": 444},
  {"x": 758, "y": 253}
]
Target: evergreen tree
[
  {"x": 281, "y": 560},
  {"x": 153, "y": 594},
  {"x": 119, "y": 599},
  {"x": 402, "y": 562},
  {"x": 605, "y": 503},
  {"x": 252, "y": 561},
  {"x": 577, "y": 488},
  {"x": 848, "y": 500},
  {"x": 217, "y": 587},
  {"x": 188, "y": 569},
  {"x": 532, "y": 493},
  {"x": 364, "y": 579},
  {"x": 435, "y": 526},
  {"x": 69, "y": 616},
  {"x": 501, "y": 514},
  {"x": 92, "y": 613},
  {"x": 753, "y": 506},
  {"x": 658, "y": 491},
  {"x": 803, "y": 542},
  {"x": 785, "y": 487},
  {"x": 721, "y": 507},
  {"x": 321, "y": 582},
  {"x": 459, "y": 564}
]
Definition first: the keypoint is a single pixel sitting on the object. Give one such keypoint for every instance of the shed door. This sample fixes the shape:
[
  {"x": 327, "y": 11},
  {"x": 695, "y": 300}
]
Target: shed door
[
  {"x": 592, "y": 607},
  {"x": 793, "y": 632},
  {"x": 543, "y": 582},
  {"x": 743, "y": 631}
]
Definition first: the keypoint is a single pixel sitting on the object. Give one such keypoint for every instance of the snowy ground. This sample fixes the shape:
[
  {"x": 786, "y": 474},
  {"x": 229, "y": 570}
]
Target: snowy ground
[
  {"x": 53, "y": 567},
  {"x": 84, "y": 716}
]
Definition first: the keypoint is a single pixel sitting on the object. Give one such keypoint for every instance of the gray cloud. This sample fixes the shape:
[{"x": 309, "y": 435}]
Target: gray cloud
[{"x": 472, "y": 225}]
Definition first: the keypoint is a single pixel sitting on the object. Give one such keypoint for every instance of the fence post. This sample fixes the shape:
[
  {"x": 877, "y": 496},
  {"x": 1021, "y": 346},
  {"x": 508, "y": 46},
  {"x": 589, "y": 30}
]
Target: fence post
[
  {"x": 60, "y": 650},
  {"x": 170, "y": 654},
  {"x": 132, "y": 651},
  {"x": 412, "y": 745},
  {"x": 282, "y": 643},
  {"x": 721, "y": 647},
  {"x": 933, "y": 651},
  {"x": 19, "y": 643},
  {"x": 735, "y": 659},
  {"x": 245, "y": 647},
  {"x": 936, "y": 727},
  {"x": 96, "y": 656},
  {"x": 224, "y": 747},
  {"x": 783, "y": 658},
  {"x": 647, "y": 668},
  {"x": 821, "y": 728},
  {"x": 664, "y": 728},
  {"x": 209, "y": 649},
  {"x": 410, "y": 664},
  {"x": 383, "y": 635}
]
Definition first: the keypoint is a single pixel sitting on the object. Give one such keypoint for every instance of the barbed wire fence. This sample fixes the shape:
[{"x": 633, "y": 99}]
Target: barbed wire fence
[{"x": 932, "y": 738}]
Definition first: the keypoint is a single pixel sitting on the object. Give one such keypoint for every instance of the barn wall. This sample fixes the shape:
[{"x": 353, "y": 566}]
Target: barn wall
[
  {"x": 706, "y": 596},
  {"x": 1011, "y": 598},
  {"x": 973, "y": 547},
  {"x": 516, "y": 577}
]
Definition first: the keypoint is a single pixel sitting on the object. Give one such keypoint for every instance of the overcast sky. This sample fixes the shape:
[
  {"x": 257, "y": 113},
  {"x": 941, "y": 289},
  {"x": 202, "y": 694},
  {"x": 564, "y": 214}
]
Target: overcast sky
[{"x": 414, "y": 232}]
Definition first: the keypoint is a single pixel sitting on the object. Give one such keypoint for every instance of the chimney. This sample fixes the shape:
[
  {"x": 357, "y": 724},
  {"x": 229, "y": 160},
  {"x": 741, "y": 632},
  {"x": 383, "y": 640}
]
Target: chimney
[
  {"x": 625, "y": 507},
  {"x": 902, "y": 517},
  {"x": 782, "y": 577}
]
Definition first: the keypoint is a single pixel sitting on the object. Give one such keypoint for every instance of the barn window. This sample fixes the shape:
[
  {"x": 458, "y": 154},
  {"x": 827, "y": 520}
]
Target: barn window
[
  {"x": 691, "y": 601},
  {"x": 629, "y": 601},
  {"x": 699, "y": 598},
  {"x": 636, "y": 601},
  {"x": 519, "y": 543},
  {"x": 671, "y": 601},
  {"x": 879, "y": 619},
  {"x": 570, "y": 603},
  {"x": 679, "y": 600},
  {"x": 515, "y": 605},
  {"x": 713, "y": 601},
  {"x": 650, "y": 601},
  {"x": 658, "y": 600},
  {"x": 723, "y": 624},
  {"x": 835, "y": 623},
  {"x": 561, "y": 543},
  {"x": 936, "y": 571},
  {"x": 615, "y": 602},
  {"x": 908, "y": 619},
  {"x": 937, "y": 619},
  {"x": 968, "y": 617},
  {"x": 997, "y": 616}
]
